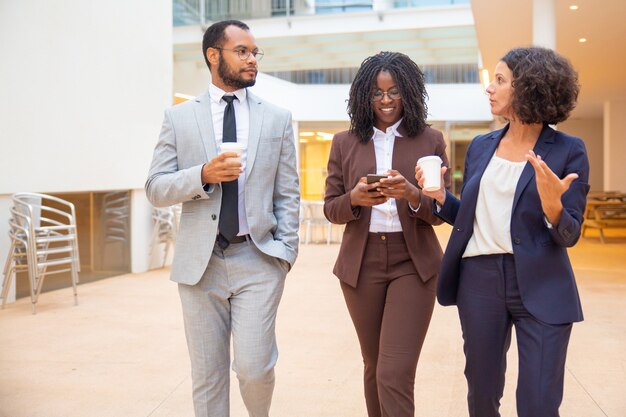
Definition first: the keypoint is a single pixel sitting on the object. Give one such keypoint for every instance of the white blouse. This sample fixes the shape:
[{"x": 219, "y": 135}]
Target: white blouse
[
  {"x": 492, "y": 221},
  {"x": 384, "y": 218}
]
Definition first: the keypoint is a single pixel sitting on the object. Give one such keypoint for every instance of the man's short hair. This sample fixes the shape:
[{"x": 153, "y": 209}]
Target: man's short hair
[{"x": 215, "y": 35}]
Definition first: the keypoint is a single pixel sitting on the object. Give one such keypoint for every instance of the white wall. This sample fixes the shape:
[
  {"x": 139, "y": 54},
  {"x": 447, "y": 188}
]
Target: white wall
[{"x": 84, "y": 84}]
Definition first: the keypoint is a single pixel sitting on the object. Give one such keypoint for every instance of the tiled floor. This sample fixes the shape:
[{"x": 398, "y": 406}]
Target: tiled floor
[{"x": 122, "y": 351}]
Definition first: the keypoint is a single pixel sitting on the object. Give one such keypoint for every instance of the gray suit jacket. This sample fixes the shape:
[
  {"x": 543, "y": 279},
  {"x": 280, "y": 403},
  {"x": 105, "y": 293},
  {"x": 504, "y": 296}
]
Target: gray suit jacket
[{"x": 272, "y": 191}]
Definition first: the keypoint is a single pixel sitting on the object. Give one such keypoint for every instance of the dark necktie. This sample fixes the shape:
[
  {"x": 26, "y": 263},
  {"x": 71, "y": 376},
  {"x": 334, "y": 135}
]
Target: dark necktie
[{"x": 229, "y": 213}]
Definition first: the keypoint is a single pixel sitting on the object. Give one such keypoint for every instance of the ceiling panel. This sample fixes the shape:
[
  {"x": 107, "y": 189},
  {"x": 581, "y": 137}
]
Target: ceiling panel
[{"x": 425, "y": 45}]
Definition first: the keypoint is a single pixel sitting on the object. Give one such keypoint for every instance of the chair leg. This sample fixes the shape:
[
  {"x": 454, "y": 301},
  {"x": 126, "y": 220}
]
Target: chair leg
[
  {"x": 10, "y": 257},
  {"x": 74, "y": 274},
  {"x": 308, "y": 233},
  {"x": 165, "y": 252},
  {"x": 601, "y": 235},
  {"x": 39, "y": 285},
  {"x": 8, "y": 273},
  {"x": 6, "y": 284}
]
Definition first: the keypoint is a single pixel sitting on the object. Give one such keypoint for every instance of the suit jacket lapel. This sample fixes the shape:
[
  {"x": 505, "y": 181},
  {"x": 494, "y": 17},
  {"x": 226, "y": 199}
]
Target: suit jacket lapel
[
  {"x": 256, "y": 123},
  {"x": 489, "y": 151},
  {"x": 204, "y": 119},
  {"x": 542, "y": 148},
  {"x": 472, "y": 187}
]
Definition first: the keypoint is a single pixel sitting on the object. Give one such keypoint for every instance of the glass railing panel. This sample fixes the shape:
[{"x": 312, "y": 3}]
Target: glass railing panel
[
  {"x": 196, "y": 12},
  {"x": 426, "y": 3},
  {"x": 433, "y": 74}
]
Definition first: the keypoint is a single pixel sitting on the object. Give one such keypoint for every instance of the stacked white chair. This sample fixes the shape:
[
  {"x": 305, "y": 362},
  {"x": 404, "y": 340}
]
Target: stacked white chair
[
  {"x": 116, "y": 216},
  {"x": 44, "y": 241},
  {"x": 165, "y": 229}
]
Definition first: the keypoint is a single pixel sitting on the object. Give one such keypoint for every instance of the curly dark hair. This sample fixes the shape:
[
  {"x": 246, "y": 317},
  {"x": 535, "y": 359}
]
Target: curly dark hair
[
  {"x": 215, "y": 35},
  {"x": 410, "y": 82},
  {"x": 545, "y": 85}
]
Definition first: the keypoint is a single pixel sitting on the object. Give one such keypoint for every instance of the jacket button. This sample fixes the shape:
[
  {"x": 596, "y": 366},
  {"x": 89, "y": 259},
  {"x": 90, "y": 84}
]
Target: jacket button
[
  {"x": 458, "y": 229},
  {"x": 517, "y": 240},
  {"x": 213, "y": 217}
]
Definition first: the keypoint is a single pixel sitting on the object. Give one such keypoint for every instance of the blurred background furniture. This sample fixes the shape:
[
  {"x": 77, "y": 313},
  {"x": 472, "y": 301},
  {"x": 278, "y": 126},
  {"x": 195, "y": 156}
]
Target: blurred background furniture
[
  {"x": 43, "y": 234},
  {"x": 605, "y": 210},
  {"x": 164, "y": 230},
  {"x": 116, "y": 216},
  {"x": 312, "y": 220},
  {"x": 114, "y": 236}
]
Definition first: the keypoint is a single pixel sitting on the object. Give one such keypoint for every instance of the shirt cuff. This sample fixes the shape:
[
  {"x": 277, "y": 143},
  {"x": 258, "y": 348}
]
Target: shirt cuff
[
  {"x": 548, "y": 224},
  {"x": 415, "y": 210}
]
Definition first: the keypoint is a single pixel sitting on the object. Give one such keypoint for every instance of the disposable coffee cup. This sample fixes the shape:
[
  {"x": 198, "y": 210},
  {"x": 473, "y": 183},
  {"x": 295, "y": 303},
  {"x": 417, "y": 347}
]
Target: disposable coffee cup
[
  {"x": 431, "y": 169},
  {"x": 236, "y": 147}
]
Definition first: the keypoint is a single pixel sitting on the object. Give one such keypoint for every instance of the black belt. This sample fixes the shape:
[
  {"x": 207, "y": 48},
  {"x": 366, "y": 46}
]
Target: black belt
[{"x": 223, "y": 243}]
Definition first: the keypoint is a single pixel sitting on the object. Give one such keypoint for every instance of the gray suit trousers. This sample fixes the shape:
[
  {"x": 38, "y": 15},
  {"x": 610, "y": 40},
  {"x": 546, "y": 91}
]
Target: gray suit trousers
[{"x": 238, "y": 294}]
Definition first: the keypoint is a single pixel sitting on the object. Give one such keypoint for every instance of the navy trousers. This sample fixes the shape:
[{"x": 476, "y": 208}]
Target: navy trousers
[{"x": 489, "y": 305}]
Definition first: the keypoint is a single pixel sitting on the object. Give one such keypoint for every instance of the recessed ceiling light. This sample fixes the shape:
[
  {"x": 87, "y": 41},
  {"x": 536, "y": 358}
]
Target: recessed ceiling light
[
  {"x": 573, "y": 7},
  {"x": 582, "y": 40}
]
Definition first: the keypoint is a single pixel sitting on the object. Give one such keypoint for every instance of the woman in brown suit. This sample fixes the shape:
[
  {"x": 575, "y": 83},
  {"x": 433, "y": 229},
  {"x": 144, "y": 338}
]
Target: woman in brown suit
[{"x": 389, "y": 256}]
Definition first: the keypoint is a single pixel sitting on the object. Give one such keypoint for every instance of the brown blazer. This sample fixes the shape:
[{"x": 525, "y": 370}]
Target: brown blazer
[{"x": 349, "y": 161}]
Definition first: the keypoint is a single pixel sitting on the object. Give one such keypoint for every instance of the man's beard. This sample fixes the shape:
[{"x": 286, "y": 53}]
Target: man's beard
[{"x": 232, "y": 78}]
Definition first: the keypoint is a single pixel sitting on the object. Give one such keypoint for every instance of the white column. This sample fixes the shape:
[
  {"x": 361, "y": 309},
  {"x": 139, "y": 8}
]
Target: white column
[
  {"x": 544, "y": 24},
  {"x": 141, "y": 227},
  {"x": 295, "y": 125},
  {"x": 614, "y": 145}
]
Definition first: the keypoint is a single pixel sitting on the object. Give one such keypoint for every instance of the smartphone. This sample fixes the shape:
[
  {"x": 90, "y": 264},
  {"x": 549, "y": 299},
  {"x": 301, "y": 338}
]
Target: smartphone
[{"x": 372, "y": 178}]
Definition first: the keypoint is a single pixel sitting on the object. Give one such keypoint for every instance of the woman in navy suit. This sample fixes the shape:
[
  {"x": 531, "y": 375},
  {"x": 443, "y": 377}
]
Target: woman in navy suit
[{"x": 506, "y": 264}]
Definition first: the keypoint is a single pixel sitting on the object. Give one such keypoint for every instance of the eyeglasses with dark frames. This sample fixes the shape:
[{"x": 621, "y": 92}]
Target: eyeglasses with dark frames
[
  {"x": 393, "y": 94},
  {"x": 244, "y": 53}
]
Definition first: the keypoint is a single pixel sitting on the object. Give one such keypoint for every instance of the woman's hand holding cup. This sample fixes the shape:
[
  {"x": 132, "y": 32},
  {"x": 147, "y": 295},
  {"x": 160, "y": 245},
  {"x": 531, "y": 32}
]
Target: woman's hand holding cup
[{"x": 430, "y": 177}]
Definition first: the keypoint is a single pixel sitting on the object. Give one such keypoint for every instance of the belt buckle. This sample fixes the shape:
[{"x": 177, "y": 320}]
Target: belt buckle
[{"x": 239, "y": 239}]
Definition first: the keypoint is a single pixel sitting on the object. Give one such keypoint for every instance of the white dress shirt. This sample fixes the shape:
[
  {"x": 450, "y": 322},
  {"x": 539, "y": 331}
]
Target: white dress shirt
[
  {"x": 242, "y": 118},
  {"x": 492, "y": 221},
  {"x": 385, "y": 217}
]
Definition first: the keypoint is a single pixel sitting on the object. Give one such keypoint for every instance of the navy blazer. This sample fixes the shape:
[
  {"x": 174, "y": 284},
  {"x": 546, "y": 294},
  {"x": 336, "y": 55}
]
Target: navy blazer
[{"x": 544, "y": 273}]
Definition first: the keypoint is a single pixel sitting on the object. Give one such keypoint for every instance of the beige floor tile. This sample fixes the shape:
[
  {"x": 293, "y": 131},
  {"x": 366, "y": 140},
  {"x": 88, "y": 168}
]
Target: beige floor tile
[{"x": 122, "y": 351}]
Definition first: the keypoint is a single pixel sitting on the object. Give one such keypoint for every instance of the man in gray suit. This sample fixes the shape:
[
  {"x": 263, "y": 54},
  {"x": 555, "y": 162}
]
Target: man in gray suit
[{"x": 238, "y": 229}]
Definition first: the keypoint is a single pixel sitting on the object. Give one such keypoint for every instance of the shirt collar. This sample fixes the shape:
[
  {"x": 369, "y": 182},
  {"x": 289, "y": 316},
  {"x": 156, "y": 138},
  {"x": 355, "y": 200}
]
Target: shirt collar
[
  {"x": 217, "y": 93},
  {"x": 393, "y": 129}
]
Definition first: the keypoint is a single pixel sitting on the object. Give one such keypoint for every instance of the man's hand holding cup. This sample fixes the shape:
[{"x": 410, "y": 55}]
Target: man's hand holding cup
[{"x": 226, "y": 166}]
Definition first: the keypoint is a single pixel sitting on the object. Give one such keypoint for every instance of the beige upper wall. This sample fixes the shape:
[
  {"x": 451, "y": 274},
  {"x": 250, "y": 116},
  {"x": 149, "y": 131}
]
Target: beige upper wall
[{"x": 615, "y": 145}]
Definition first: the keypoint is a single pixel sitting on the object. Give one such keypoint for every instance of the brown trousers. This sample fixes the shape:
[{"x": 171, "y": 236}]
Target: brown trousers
[{"x": 391, "y": 309}]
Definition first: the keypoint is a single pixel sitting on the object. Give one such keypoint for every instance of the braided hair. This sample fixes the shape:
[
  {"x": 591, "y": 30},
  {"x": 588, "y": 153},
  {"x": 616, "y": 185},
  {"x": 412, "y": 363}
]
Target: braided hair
[{"x": 410, "y": 82}]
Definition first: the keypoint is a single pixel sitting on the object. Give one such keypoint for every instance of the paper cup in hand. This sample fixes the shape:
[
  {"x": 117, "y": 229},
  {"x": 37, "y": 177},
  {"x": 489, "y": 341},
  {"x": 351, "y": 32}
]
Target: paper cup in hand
[
  {"x": 232, "y": 147},
  {"x": 431, "y": 169}
]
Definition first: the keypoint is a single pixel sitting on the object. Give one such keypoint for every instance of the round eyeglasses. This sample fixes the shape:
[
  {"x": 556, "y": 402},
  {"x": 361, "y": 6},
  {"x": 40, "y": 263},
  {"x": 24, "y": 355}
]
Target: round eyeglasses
[
  {"x": 392, "y": 94},
  {"x": 244, "y": 53}
]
